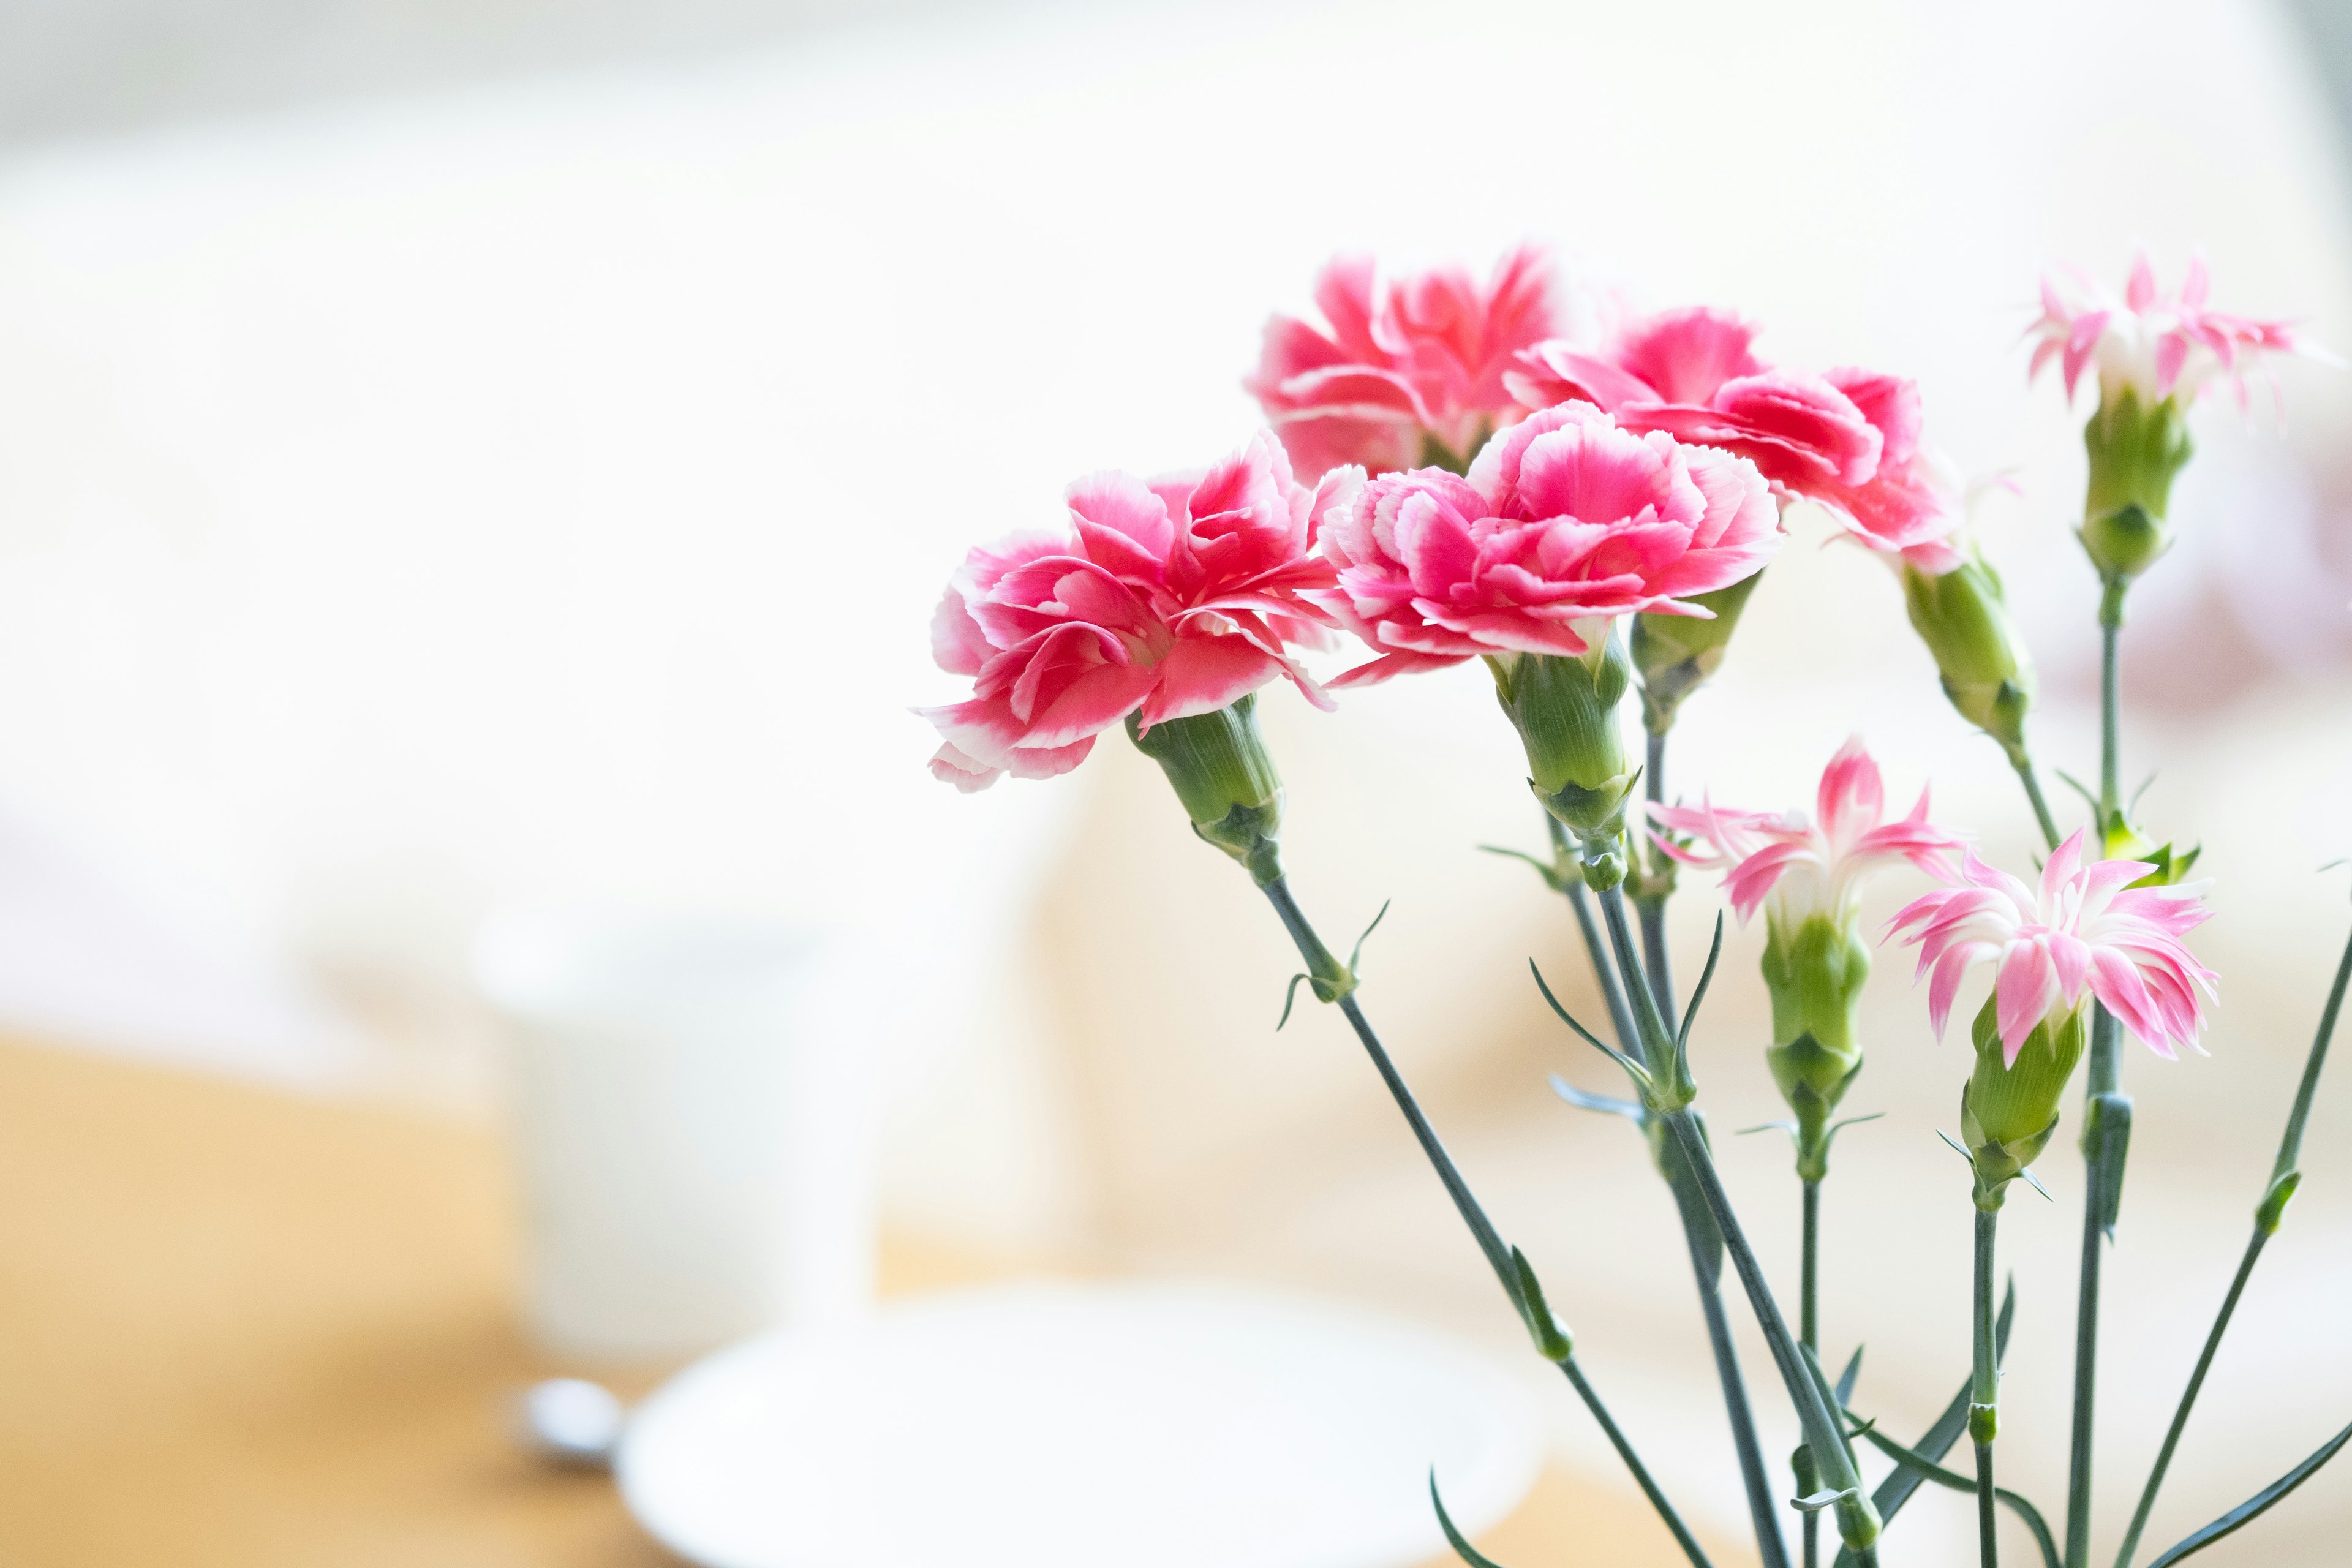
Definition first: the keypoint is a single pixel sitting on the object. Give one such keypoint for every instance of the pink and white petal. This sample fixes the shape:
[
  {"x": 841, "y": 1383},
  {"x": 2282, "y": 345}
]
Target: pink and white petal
[{"x": 1201, "y": 675}]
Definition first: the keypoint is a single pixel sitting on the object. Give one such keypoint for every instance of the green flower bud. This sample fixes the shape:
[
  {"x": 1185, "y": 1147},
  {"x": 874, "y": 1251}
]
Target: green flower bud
[
  {"x": 1566, "y": 711},
  {"x": 1814, "y": 975},
  {"x": 2009, "y": 1113},
  {"x": 1963, "y": 617},
  {"x": 1221, "y": 773},
  {"x": 2136, "y": 453},
  {"x": 1675, "y": 654},
  {"x": 2125, "y": 842}
]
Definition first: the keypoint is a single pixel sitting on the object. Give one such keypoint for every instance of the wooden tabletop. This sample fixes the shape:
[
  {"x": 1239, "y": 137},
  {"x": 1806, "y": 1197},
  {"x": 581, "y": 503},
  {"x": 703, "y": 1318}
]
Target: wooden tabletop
[{"x": 244, "y": 1329}]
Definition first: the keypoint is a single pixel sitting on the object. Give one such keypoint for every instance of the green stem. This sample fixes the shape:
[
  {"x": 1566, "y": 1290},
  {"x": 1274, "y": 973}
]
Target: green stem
[
  {"x": 1984, "y": 1398},
  {"x": 2032, "y": 782},
  {"x": 1809, "y": 1328},
  {"x": 2284, "y": 1178},
  {"x": 1706, "y": 1275},
  {"x": 1490, "y": 1242},
  {"x": 1657, "y": 962},
  {"x": 2189, "y": 1397},
  {"x": 1604, "y": 972},
  {"x": 2111, "y": 621},
  {"x": 1762, "y": 1510},
  {"x": 1857, "y": 1519},
  {"x": 1682, "y": 1537},
  {"x": 2103, "y": 1174},
  {"x": 1809, "y": 1315}
]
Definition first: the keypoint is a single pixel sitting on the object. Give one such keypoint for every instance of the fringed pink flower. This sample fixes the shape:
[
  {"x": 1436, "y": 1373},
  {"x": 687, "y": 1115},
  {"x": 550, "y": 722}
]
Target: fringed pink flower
[
  {"x": 1174, "y": 597},
  {"x": 2155, "y": 343},
  {"x": 1563, "y": 520},
  {"x": 1399, "y": 365},
  {"x": 1848, "y": 440},
  {"x": 2084, "y": 933},
  {"x": 1815, "y": 867}
]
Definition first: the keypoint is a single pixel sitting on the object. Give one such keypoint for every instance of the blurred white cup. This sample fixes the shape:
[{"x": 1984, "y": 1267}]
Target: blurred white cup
[{"x": 694, "y": 1112}]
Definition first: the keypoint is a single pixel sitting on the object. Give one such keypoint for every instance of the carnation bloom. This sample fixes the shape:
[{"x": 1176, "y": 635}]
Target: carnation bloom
[
  {"x": 1563, "y": 519},
  {"x": 1816, "y": 868},
  {"x": 2153, "y": 343},
  {"x": 1848, "y": 440},
  {"x": 1401, "y": 365},
  {"x": 2084, "y": 933},
  {"x": 1163, "y": 600}
]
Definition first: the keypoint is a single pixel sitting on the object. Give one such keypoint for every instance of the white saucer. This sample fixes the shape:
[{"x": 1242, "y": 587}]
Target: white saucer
[{"x": 1064, "y": 1425}]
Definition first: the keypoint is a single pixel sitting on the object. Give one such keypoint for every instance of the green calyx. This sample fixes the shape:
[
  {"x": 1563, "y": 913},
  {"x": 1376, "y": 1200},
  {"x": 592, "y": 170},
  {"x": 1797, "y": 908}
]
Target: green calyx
[
  {"x": 2136, "y": 451},
  {"x": 1565, "y": 709},
  {"x": 1963, "y": 617},
  {"x": 1221, "y": 773},
  {"x": 1675, "y": 654},
  {"x": 2009, "y": 1113},
  {"x": 2123, "y": 841},
  {"x": 1814, "y": 973}
]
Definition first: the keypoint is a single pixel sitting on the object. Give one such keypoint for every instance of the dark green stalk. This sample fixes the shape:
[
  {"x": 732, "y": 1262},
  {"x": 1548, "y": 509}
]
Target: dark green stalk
[
  {"x": 1763, "y": 1509},
  {"x": 1657, "y": 960},
  {"x": 2104, "y": 1166},
  {"x": 1706, "y": 1275},
  {"x": 1984, "y": 1399},
  {"x": 1668, "y": 1095},
  {"x": 1809, "y": 1328},
  {"x": 1507, "y": 1267},
  {"x": 2032, "y": 782},
  {"x": 2284, "y": 1178}
]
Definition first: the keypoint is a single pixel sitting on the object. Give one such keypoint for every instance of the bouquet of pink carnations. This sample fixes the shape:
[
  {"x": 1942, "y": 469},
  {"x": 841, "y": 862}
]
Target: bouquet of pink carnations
[{"x": 1452, "y": 475}]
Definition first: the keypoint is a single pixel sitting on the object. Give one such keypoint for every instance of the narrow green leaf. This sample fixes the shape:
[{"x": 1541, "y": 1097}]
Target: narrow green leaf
[
  {"x": 1640, "y": 1075},
  {"x": 1355, "y": 954},
  {"x": 1610, "y": 1104},
  {"x": 2080, "y": 788},
  {"x": 1698, "y": 994},
  {"x": 1897, "y": 1489},
  {"x": 2253, "y": 1508},
  {"x": 1550, "y": 877},
  {"x": 1819, "y": 1500},
  {"x": 1462, "y": 1549},
  {"x": 1847, "y": 1378},
  {"x": 1927, "y": 1471},
  {"x": 1288, "y": 997}
]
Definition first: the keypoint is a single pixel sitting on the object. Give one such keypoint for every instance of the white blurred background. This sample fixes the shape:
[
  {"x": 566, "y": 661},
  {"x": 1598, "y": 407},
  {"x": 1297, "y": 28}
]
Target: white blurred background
[{"x": 451, "y": 456}]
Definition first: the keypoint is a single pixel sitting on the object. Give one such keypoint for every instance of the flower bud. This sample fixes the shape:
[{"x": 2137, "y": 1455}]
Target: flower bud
[
  {"x": 1565, "y": 708},
  {"x": 2125, "y": 841},
  {"x": 2010, "y": 1112},
  {"x": 1963, "y": 617},
  {"x": 2136, "y": 450},
  {"x": 1815, "y": 974},
  {"x": 1221, "y": 769},
  {"x": 1675, "y": 654}
]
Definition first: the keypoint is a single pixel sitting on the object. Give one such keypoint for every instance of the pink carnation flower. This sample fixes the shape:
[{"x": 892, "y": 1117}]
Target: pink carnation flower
[
  {"x": 1174, "y": 598},
  {"x": 1563, "y": 519},
  {"x": 1401, "y": 363},
  {"x": 2154, "y": 344},
  {"x": 1848, "y": 440},
  {"x": 1809, "y": 869},
  {"x": 2085, "y": 932}
]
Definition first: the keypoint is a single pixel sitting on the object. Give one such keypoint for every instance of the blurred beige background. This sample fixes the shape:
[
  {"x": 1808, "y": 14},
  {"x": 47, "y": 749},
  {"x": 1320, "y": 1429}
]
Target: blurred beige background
[{"x": 450, "y": 460}]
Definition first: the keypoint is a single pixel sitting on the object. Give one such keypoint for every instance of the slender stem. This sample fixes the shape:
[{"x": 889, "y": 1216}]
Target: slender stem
[
  {"x": 1856, "y": 1515},
  {"x": 1737, "y": 1409},
  {"x": 2188, "y": 1398},
  {"x": 1984, "y": 1396},
  {"x": 2032, "y": 782},
  {"x": 2102, "y": 1075},
  {"x": 2104, "y": 1176},
  {"x": 1809, "y": 1315},
  {"x": 1762, "y": 1510},
  {"x": 1656, "y": 959},
  {"x": 1682, "y": 1537},
  {"x": 2111, "y": 621},
  {"x": 1809, "y": 1328},
  {"x": 1490, "y": 1242},
  {"x": 2284, "y": 1178}
]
